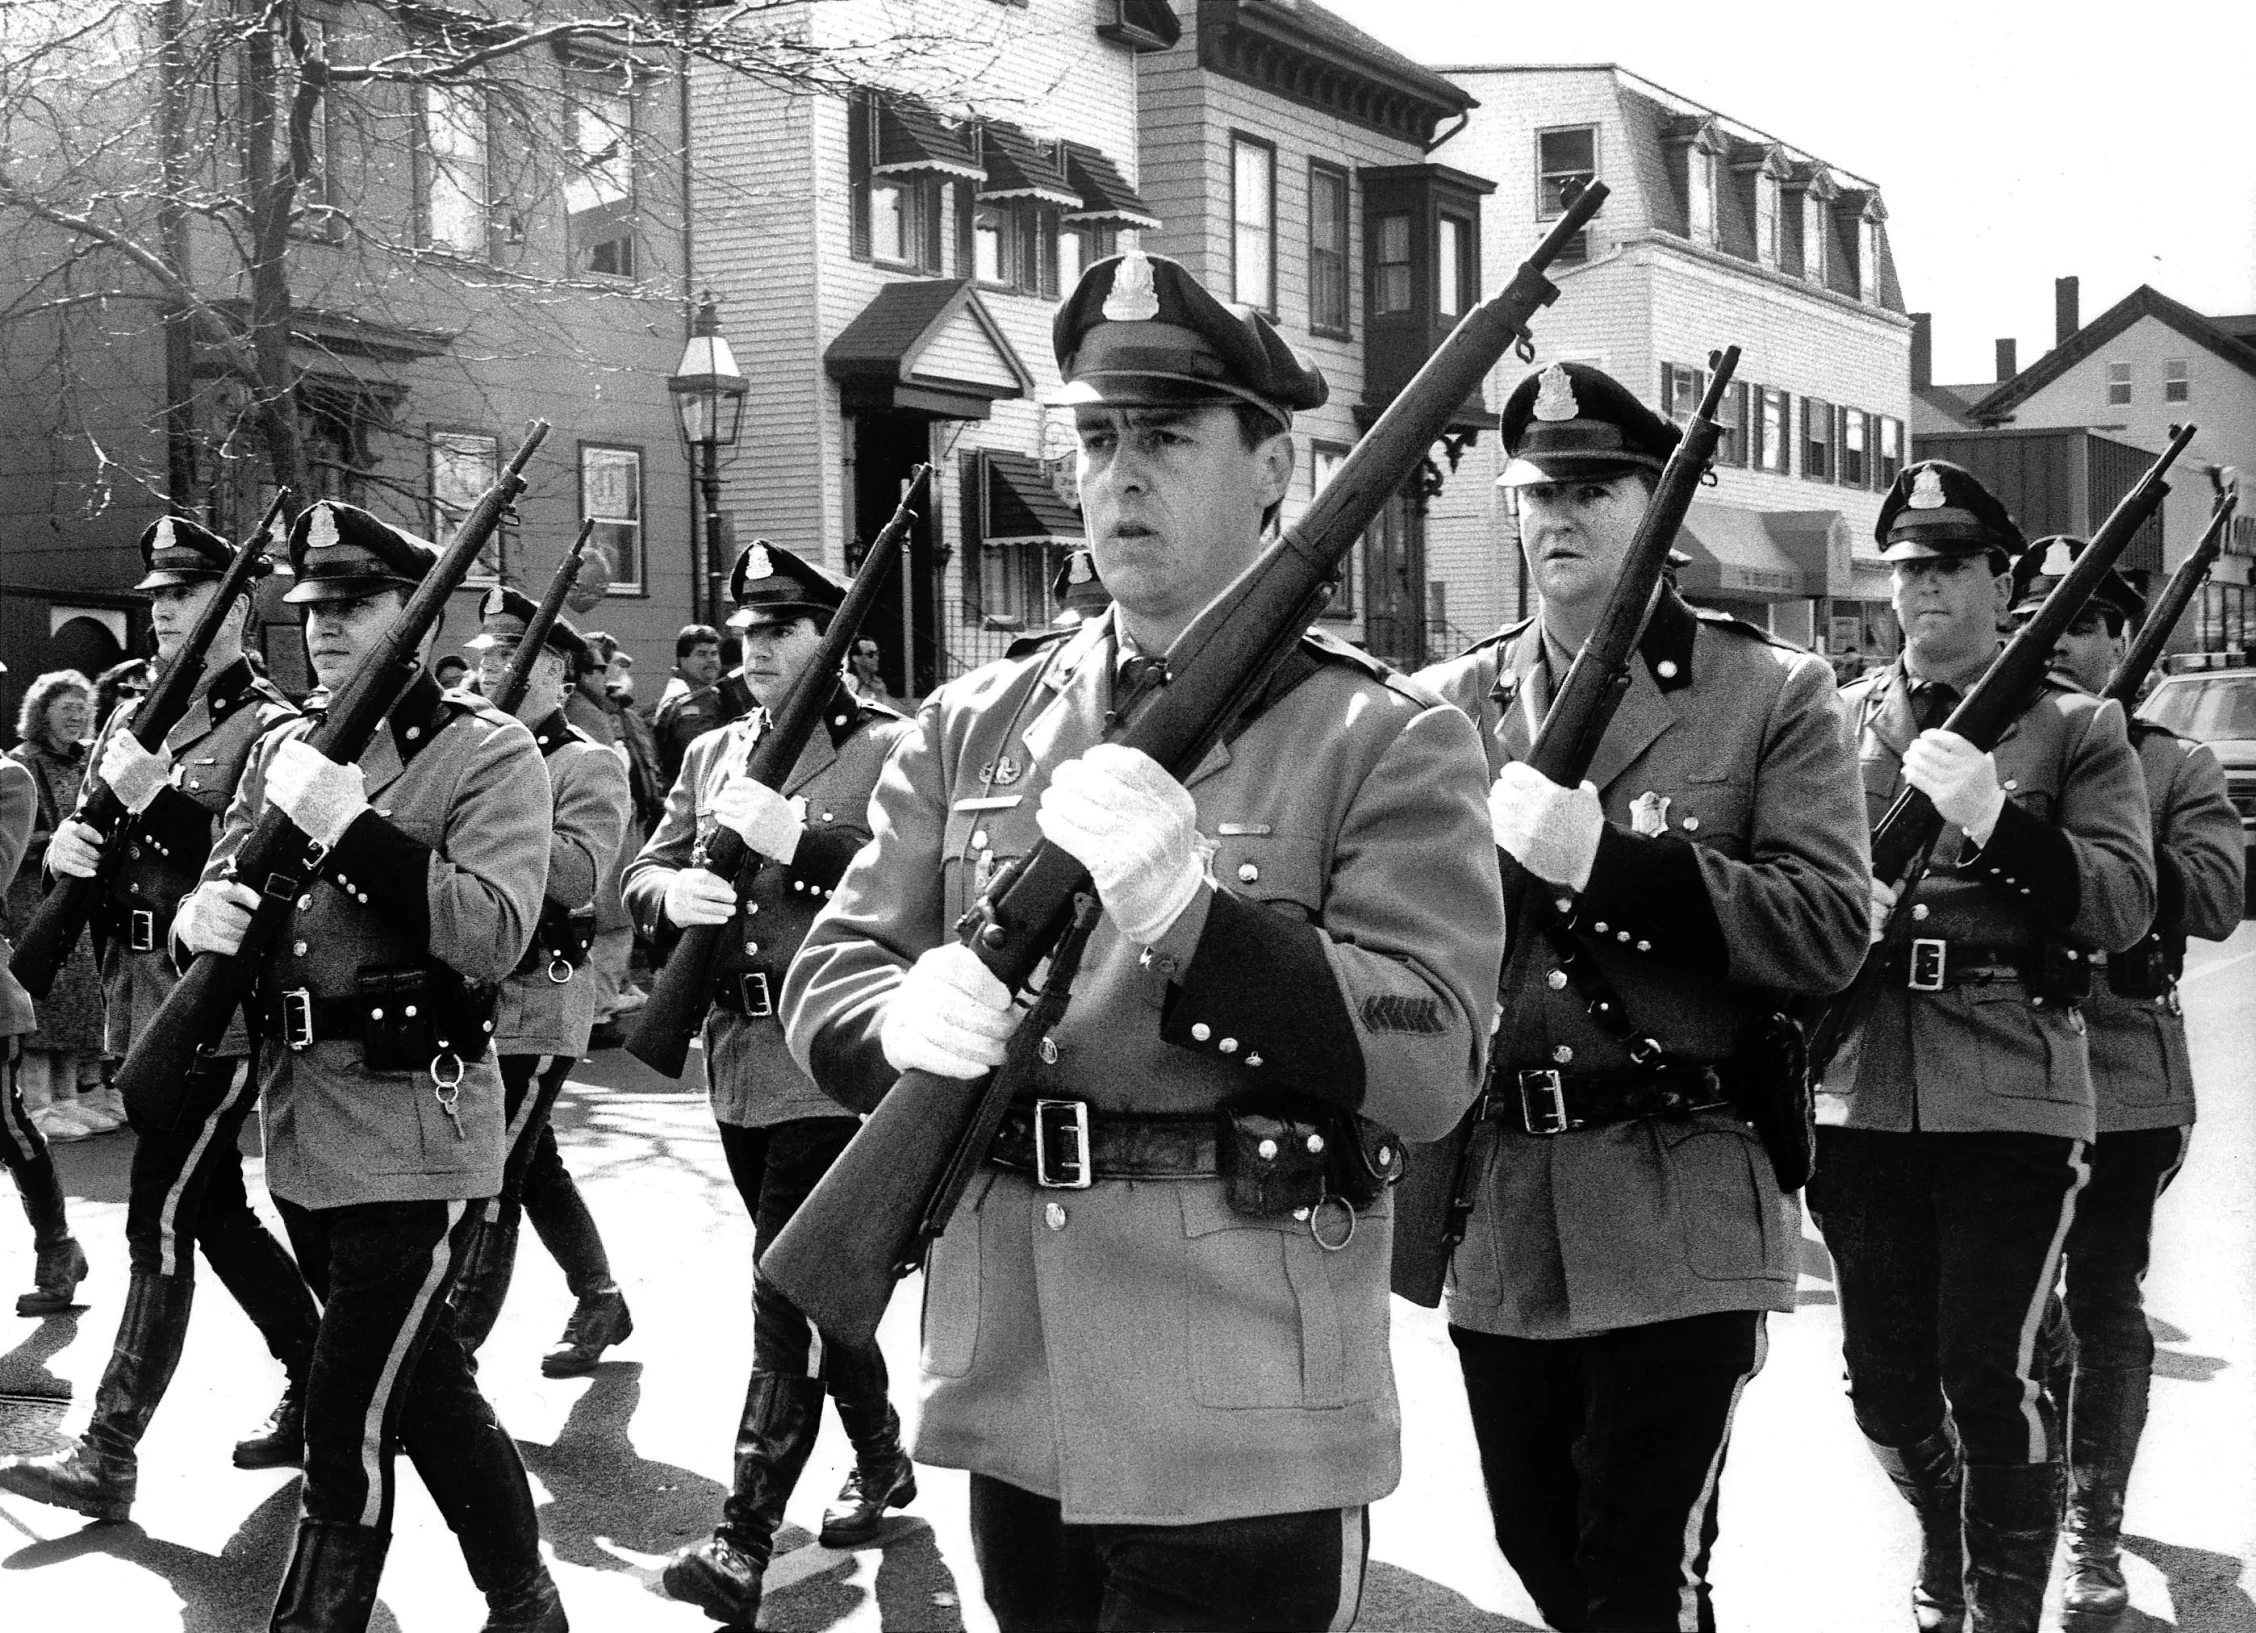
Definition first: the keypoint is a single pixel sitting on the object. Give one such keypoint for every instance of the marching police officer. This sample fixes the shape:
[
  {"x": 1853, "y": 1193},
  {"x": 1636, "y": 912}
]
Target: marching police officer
[
  {"x": 1628, "y": 1232},
  {"x": 186, "y": 1187},
  {"x": 1958, "y": 1115},
  {"x": 58, "y": 1262},
  {"x": 1172, "y": 1391},
  {"x": 382, "y": 1099},
  {"x": 779, "y": 1131},
  {"x": 2142, "y": 1077},
  {"x": 547, "y": 1006}
]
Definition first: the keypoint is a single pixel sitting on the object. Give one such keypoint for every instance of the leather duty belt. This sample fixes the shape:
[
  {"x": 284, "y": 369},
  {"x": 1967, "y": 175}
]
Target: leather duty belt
[
  {"x": 1933, "y": 964},
  {"x": 1068, "y": 1146},
  {"x": 299, "y": 1020},
  {"x": 745, "y": 993},
  {"x": 1545, "y": 1102}
]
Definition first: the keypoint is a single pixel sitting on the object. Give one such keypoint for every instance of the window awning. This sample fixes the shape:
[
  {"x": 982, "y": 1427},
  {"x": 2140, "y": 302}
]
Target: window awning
[
  {"x": 1106, "y": 198},
  {"x": 1759, "y": 555},
  {"x": 1019, "y": 505},
  {"x": 912, "y": 140},
  {"x": 1018, "y": 166},
  {"x": 926, "y": 346}
]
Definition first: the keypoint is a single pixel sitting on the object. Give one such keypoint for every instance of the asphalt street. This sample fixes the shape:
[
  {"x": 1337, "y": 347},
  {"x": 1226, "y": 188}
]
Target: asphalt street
[{"x": 632, "y": 1462}]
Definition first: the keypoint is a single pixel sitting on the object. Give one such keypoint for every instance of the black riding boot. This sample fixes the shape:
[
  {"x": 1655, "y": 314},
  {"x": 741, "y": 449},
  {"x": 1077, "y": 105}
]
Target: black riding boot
[
  {"x": 1928, "y": 1476},
  {"x": 2107, "y": 1414},
  {"x": 330, "y": 1586},
  {"x": 2012, "y": 1516},
  {"x": 484, "y": 1280},
  {"x": 882, "y": 1478},
  {"x": 59, "y": 1263},
  {"x": 721, "y": 1575},
  {"x": 99, "y": 1474},
  {"x": 279, "y": 1442}
]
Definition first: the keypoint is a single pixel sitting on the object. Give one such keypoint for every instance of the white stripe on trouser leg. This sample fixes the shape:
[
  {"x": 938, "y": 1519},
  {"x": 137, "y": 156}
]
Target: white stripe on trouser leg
[
  {"x": 168, "y": 1245},
  {"x": 814, "y": 1350},
  {"x": 372, "y": 1426},
  {"x": 2025, "y": 1356},
  {"x": 1688, "y": 1595},
  {"x": 1354, "y": 1544}
]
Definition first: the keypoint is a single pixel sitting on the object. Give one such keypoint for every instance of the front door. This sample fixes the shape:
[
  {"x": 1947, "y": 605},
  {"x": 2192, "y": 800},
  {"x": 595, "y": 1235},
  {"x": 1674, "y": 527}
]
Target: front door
[
  {"x": 905, "y": 619},
  {"x": 1394, "y": 583}
]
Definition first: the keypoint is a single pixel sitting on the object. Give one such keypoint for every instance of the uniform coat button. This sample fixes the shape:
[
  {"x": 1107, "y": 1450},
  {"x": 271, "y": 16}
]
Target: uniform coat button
[
  {"x": 1248, "y": 873},
  {"x": 1691, "y": 825},
  {"x": 1200, "y": 1031},
  {"x": 1563, "y": 1053},
  {"x": 298, "y": 947},
  {"x": 1556, "y": 980},
  {"x": 1053, "y": 1215}
]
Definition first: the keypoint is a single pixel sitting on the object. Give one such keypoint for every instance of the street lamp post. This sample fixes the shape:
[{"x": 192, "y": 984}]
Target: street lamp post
[{"x": 709, "y": 404}]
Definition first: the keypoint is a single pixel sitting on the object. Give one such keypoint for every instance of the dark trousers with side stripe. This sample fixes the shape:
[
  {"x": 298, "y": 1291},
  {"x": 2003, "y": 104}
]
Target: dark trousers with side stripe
[
  {"x": 186, "y": 1192},
  {"x": 1281, "y": 1572},
  {"x": 23, "y": 1150},
  {"x": 1945, "y": 1248},
  {"x": 389, "y": 1374},
  {"x": 2111, "y": 1242},
  {"x": 1603, "y": 1456},
  {"x": 535, "y": 1179},
  {"x": 775, "y": 1168}
]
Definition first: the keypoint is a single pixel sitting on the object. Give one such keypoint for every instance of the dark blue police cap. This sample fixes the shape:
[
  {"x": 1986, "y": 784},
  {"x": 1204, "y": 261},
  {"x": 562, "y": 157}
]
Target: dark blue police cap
[
  {"x": 1936, "y": 508},
  {"x": 1139, "y": 331},
  {"x": 770, "y": 584},
  {"x": 505, "y": 614},
  {"x": 1571, "y": 420},
  {"x": 1078, "y": 590},
  {"x": 2046, "y": 562},
  {"x": 341, "y": 553},
  {"x": 175, "y": 550}
]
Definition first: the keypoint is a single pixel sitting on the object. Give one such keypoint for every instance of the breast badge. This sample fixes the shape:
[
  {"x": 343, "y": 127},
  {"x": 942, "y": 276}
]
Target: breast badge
[{"x": 1648, "y": 814}]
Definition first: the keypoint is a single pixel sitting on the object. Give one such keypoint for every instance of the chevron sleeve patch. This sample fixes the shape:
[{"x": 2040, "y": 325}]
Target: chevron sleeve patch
[{"x": 1397, "y": 1012}]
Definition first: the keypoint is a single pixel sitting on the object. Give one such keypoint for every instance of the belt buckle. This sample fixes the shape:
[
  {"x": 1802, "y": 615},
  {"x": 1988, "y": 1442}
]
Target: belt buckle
[
  {"x": 1547, "y": 1089},
  {"x": 1066, "y": 1121},
  {"x": 297, "y": 1018},
  {"x": 141, "y": 930},
  {"x": 1929, "y": 956},
  {"x": 752, "y": 986}
]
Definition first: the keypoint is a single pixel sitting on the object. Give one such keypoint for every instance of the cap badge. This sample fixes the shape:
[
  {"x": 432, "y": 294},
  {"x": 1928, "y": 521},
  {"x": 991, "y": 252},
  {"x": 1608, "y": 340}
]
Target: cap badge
[
  {"x": 1080, "y": 569},
  {"x": 164, "y": 539},
  {"x": 321, "y": 532},
  {"x": 1927, "y": 490},
  {"x": 757, "y": 564},
  {"x": 2058, "y": 560},
  {"x": 1133, "y": 297},
  {"x": 1554, "y": 395}
]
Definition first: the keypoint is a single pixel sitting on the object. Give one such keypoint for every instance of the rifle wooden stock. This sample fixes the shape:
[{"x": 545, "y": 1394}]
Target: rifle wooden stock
[
  {"x": 1907, "y": 831},
  {"x": 276, "y": 859},
  {"x": 2162, "y": 621},
  {"x": 1433, "y": 1204},
  {"x": 64, "y": 912},
  {"x": 683, "y": 991},
  {"x": 871, "y": 1215},
  {"x": 519, "y": 676}
]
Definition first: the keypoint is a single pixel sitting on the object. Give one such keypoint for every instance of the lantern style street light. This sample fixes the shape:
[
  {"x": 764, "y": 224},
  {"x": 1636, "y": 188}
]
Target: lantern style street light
[{"x": 708, "y": 396}]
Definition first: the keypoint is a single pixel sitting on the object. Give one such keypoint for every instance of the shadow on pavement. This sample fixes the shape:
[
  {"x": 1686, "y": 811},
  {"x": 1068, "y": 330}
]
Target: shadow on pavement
[
  {"x": 222, "y": 1593},
  {"x": 24, "y": 1370},
  {"x": 1396, "y": 1598},
  {"x": 2205, "y": 1590}
]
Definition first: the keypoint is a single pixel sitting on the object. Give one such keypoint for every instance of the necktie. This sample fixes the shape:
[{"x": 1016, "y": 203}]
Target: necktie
[
  {"x": 1137, "y": 676},
  {"x": 1932, "y": 704}
]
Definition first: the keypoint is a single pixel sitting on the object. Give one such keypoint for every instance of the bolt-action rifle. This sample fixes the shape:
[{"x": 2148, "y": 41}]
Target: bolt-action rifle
[
  {"x": 892, "y": 1190},
  {"x": 277, "y": 859},
  {"x": 519, "y": 675},
  {"x": 1434, "y": 1201},
  {"x": 2130, "y": 675},
  {"x": 683, "y": 991},
  {"x": 1905, "y": 837},
  {"x": 63, "y": 913}
]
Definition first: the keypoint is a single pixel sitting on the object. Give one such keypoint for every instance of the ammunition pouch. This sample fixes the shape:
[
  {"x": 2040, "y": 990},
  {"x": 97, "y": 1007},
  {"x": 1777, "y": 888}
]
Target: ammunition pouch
[
  {"x": 1281, "y": 1153},
  {"x": 2061, "y": 973},
  {"x": 1767, "y": 1083},
  {"x": 2147, "y": 969}
]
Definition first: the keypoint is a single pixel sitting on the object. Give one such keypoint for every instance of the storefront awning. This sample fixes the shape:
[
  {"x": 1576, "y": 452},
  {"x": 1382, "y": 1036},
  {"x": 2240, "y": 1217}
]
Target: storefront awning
[
  {"x": 1019, "y": 504},
  {"x": 927, "y": 346},
  {"x": 1756, "y": 555},
  {"x": 1106, "y": 198},
  {"x": 912, "y": 140},
  {"x": 1018, "y": 166}
]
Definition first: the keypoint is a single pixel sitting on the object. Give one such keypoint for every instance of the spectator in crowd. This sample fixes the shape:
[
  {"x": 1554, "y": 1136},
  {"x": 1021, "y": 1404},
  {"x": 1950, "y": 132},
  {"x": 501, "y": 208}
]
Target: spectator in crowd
[
  {"x": 65, "y": 1049},
  {"x": 693, "y": 704},
  {"x": 862, "y": 676}
]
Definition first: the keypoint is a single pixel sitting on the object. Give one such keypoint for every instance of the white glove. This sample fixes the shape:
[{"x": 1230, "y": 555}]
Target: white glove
[
  {"x": 134, "y": 774},
  {"x": 1551, "y": 831},
  {"x": 950, "y": 1016},
  {"x": 763, "y": 818},
  {"x": 1134, "y": 828},
  {"x": 699, "y": 896},
  {"x": 315, "y": 792},
  {"x": 214, "y": 917},
  {"x": 1883, "y": 903},
  {"x": 1959, "y": 778},
  {"x": 75, "y": 851}
]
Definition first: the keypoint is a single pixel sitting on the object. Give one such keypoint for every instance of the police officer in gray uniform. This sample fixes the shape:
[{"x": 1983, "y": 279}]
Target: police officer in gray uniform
[
  {"x": 1955, "y": 1120},
  {"x": 547, "y": 1006},
  {"x": 186, "y": 1189},
  {"x": 2142, "y": 1076},
  {"x": 382, "y": 1097},
  {"x": 1628, "y": 1233}
]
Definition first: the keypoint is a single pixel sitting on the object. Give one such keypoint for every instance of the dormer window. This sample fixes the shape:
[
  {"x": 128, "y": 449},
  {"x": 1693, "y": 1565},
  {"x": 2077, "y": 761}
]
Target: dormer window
[
  {"x": 1868, "y": 261},
  {"x": 1816, "y": 234},
  {"x": 1766, "y": 220},
  {"x": 1700, "y": 194}
]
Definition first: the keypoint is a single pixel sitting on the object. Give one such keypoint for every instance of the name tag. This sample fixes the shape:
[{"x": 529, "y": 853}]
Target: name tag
[
  {"x": 993, "y": 802},
  {"x": 1235, "y": 830}
]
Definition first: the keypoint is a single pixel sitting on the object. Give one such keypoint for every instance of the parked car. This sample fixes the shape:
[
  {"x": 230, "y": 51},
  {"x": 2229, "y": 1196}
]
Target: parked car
[{"x": 2217, "y": 707}]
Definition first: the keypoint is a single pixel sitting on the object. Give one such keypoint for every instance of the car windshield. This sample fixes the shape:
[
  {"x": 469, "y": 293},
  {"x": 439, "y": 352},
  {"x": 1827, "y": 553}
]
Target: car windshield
[{"x": 2209, "y": 711}]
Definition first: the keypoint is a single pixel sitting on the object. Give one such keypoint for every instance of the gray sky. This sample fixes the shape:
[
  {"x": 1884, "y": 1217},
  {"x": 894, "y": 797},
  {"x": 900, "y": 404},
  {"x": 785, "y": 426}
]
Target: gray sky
[{"x": 2013, "y": 143}]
